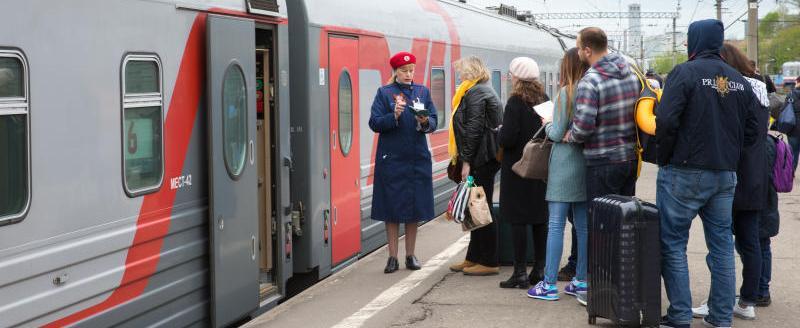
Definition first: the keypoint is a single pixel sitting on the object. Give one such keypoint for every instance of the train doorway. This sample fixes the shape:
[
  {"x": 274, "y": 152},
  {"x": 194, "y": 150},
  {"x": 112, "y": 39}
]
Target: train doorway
[
  {"x": 233, "y": 203},
  {"x": 344, "y": 149},
  {"x": 266, "y": 143}
]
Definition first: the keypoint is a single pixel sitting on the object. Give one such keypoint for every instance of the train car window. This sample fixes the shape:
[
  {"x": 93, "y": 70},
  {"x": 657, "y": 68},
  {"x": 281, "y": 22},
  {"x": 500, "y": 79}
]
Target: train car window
[
  {"x": 11, "y": 77},
  {"x": 234, "y": 120},
  {"x": 142, "y": 122},
  {"x": 496, "y": 76},
  {"x": 345, "y": 112},
  {"x": 14, "y": 140},
  {"x": 141, "y": 77},
  {"x": 438, "y": 95}
]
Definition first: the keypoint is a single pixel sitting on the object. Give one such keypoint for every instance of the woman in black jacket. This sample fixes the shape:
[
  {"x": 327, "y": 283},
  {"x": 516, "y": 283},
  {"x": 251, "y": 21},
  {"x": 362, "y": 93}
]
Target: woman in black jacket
[
  {"x": 476, "y": 113},
  {"x": 522, "y": 201},
  {"x": 750, "y": 198},
  {"x": 752, "y": 191}
]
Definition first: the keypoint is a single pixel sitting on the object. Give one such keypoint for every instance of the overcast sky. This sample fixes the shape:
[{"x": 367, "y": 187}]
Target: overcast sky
[{"x": 690, "y": 11}]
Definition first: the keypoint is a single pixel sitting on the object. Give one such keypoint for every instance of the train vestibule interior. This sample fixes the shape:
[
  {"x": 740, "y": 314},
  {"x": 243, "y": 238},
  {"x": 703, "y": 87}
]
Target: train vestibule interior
[{"x": 266, "y": 157}]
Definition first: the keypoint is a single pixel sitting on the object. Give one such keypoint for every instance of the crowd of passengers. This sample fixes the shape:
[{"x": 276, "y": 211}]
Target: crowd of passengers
[{"x": 713, "y": 154}]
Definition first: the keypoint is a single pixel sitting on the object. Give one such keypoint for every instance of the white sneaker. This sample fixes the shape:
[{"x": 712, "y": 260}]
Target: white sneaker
[
  {"x": 700, "y": 311},
  {"x": 581, "y": 297},
  {"x": 748, "y": 312}
]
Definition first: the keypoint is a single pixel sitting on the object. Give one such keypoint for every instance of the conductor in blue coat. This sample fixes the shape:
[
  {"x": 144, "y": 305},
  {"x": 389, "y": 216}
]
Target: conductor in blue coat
[{"x": 402, "y": 113}]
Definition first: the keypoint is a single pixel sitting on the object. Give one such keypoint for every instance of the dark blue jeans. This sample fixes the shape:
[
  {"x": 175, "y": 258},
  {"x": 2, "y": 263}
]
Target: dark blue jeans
[
  {"x": 745, "y": 226},
  {"x": 794, "y": 143},
  {"x": 681, "y": 195},
  {"x": 612, "y": 178},
  {"x": 766, "y": 267}
]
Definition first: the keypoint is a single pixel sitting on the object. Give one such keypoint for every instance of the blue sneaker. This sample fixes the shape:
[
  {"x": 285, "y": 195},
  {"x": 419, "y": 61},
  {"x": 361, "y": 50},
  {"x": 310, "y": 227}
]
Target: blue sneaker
[
  {"x": 666, "y": 323},
  {"x": 576, "y": 286},
  {"x": 544, "y": 291}
]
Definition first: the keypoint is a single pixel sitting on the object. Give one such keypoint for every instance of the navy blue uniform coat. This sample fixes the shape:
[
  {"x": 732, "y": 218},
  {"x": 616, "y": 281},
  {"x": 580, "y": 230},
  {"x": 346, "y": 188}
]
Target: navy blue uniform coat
[{"x": 403, "y": 185}]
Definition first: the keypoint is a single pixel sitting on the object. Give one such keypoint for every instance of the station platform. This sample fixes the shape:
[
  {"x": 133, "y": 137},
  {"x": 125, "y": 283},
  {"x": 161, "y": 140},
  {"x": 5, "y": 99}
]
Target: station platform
[{"x": 361, "y": 295}]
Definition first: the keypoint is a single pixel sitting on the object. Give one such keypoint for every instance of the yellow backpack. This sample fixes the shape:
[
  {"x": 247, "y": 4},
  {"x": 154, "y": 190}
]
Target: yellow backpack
[
  {"x": 649, "y": 98},
  {"x": 645, "y": 119}
]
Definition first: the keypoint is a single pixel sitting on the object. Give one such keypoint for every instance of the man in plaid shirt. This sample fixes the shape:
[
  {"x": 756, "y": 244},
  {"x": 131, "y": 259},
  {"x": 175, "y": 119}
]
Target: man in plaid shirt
[{"x": 604, "y": 117}]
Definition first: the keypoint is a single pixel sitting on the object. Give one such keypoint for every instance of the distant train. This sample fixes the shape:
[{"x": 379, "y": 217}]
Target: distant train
[
  {"x": 177, "y": 163},
  {"x": 790, "y": 71}
]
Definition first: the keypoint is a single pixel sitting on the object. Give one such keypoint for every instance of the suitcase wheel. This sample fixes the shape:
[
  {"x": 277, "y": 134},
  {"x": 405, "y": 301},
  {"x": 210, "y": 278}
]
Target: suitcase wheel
[{"x": 592, "y": 320}]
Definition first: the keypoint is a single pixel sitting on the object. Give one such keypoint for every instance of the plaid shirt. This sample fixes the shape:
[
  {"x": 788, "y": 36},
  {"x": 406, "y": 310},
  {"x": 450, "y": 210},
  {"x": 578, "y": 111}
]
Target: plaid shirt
[{"x": 604, "y": 115}]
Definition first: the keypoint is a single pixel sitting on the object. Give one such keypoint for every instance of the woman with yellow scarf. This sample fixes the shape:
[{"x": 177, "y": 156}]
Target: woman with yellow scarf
[{"x": 472, "y": 144}]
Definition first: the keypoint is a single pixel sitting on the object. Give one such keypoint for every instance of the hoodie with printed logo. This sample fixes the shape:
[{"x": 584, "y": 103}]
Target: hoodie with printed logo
[{"x": 706, "y": 115}]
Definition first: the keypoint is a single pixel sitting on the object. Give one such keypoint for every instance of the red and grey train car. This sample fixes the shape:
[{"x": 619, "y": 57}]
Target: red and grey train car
[
  {"x": 175, "y": 163},
  {"x": 339, "y": 59}
]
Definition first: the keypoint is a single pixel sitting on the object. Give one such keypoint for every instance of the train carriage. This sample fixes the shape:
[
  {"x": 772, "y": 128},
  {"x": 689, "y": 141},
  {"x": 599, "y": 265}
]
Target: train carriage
[
  {"x": 177, "y": 163},
  {"x": 328, "y": 40},
  {"x": 789, "y": 73}
]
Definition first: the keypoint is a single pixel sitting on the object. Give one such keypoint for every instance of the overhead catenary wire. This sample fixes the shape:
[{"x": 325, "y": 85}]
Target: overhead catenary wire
[
  {"x": 736, "y": 20},
  {"x": 547, "y": 14},
  {"x": 697, "y": 4}
]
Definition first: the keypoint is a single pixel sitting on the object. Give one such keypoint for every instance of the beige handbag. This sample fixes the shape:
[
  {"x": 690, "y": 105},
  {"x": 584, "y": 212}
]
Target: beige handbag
[
  {"x": 479, "y": 213},
  {"x": 535, "y": 158}
]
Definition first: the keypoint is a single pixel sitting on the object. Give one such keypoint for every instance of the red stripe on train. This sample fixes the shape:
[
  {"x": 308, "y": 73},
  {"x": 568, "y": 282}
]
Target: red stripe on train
[
  {"x": 455, "y": 42},
  {"x": 154, "y": 216}
]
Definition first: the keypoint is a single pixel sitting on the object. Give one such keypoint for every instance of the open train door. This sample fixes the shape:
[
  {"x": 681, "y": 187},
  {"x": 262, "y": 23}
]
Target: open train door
[{"x": 233, "y": 176}]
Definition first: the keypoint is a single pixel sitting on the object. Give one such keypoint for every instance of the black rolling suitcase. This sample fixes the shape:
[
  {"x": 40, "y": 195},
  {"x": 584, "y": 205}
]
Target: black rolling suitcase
[{"x": 624, "y": 270}]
